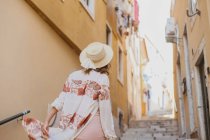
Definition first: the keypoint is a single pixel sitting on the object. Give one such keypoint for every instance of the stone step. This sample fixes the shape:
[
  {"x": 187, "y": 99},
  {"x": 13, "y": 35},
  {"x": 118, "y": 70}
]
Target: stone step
[
  {"x": 160, "y": 127},
  {"x": 139, "y": 137},
  {"x": 147, "y": 123},
  {"x": 152, "y": 134},
  {"x": 143, "y": 130},
  {"x": 155, "y": 120},
  {"x": 163, "y": 129},
  {"x": 150, "y": 138}
]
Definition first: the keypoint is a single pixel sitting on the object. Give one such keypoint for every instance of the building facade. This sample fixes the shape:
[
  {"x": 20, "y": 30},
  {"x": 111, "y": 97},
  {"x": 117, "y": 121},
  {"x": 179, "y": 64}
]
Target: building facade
[
  {"x": 122, "y": 21},
  {"x": 133, "y": 63},
  {"x": 115, "y": 38},
  {"x": 145, "y": 93},
  {"x": 189, "y": 31},
  {"x": 40, "y": 45}
]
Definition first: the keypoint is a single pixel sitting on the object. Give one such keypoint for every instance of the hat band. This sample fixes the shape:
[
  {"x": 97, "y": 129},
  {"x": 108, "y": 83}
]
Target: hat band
[
  {"x": 88, "y": 63},
  {"x": 96, "y": 57}
]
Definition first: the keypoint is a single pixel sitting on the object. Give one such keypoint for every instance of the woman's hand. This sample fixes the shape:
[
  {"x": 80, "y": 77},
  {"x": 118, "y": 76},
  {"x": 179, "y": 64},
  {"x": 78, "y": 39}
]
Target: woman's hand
[
  {"x": 45, "y": 129},
  {"x": 45, "y": 126}
]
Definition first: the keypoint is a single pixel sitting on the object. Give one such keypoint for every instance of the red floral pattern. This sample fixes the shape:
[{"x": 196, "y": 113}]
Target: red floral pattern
[
  {"x": 74, "y": 118},
  {"x": 83, "y": 121},
  {"x": 65, "y": 121},
  {"x": 66, "y": 87},
  {"x": 81, "y": 91},
  {"x": 96, "y": 96},
  {"x": 104, "y": 94},
  {"x": 78, "y": 87},
  {"x": 33, "y": 127},
  {"x": 89, "y": 88},
  {"x": 74, "y": 121}
]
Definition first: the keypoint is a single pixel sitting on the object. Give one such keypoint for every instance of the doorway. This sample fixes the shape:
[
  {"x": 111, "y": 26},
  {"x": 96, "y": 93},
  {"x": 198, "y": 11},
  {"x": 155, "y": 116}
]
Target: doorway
[{"x": 204, "y": 93}]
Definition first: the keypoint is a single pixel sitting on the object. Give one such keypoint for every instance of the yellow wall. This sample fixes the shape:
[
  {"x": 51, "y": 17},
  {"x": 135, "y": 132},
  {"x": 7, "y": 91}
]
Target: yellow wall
[
  {"x": 133, "y": 77},
  {"x": 198, "y": 28},
  {"x": 175, "y": 84},
  {"x": 35, "y": 60},
  {"x": 74, "y": 21},
  {"x": 35, "y": 63},
  {"x": 118, "y": 90},
  {"x": 144, "y": 60}
]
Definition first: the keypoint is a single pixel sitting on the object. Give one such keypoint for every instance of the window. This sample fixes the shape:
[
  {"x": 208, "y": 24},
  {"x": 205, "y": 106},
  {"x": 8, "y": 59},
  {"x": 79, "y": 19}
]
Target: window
[
  {"x": 89, "y": 5},
  {"x": 86, "y": 2},
  {"x": 193, "y": 5},
  {"x": 120, "y": 64},
  {"x": 108, "y": 35}
]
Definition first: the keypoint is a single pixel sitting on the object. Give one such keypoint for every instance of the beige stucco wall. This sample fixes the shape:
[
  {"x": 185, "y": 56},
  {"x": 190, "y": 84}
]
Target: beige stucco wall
[
  {"x": 34, "y": 64},
  {"x": 144, "y": 60},
  {"x": 198, "y": 28},
  {"x": 133, "y": 76},
  {"x": 74, "y": 21},
  {"x": 118, "y": 90}
]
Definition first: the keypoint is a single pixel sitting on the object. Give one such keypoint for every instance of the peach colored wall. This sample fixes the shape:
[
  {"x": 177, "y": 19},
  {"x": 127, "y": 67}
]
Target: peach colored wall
[
  {"x": 175, "y": 84},
  {"x": 144, "y": 59},
  {"x": 74, "y": 21},
  {"x": 198, "y": 28},
  {"x": 118, "y": 91},
  {"x": 34, "y": 64}
]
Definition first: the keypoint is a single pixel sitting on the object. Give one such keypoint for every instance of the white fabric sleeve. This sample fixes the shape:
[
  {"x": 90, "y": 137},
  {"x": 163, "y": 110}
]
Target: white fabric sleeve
[
  {"x": 59, "y": 101},
  {"x": 106, "y": 111}
]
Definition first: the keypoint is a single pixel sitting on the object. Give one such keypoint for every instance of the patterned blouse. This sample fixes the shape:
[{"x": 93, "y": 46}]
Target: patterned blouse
[{"x": 82, "y": 96}]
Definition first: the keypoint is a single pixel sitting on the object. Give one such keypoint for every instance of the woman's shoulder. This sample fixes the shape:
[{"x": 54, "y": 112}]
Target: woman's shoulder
[
  {"x": 76, "y": 73},
  {"x": 80, "y": 74},
  {"x": 104, "y": 78},
  {"x": 101, "y": 75}
]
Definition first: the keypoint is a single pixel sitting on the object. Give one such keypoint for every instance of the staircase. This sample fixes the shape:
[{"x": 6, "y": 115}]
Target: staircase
[{"x": 161, "y": 129}]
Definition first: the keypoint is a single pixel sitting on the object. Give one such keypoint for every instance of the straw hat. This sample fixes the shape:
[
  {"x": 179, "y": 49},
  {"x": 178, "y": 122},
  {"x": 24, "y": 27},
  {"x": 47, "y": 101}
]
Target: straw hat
[{"x": 96, "y": 55}]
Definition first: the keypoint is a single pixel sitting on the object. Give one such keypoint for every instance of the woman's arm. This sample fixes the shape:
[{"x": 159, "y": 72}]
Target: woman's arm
[
  {"x": 57, "y": 105},
  {"x": 45, "y": 127},
  {"x": 52, "y": 112},
  {"x": 106, "y": 111}
]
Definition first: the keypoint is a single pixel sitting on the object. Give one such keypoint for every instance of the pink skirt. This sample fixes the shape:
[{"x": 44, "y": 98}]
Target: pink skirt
[{"x": 93, "y": 130}]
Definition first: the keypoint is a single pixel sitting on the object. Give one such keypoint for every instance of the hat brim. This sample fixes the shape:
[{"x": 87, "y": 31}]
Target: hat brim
[{"x": 103, "y": 62}]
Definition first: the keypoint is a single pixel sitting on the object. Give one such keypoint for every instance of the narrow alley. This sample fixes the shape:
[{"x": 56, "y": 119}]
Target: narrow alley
[{"x": 158, "y": 77}]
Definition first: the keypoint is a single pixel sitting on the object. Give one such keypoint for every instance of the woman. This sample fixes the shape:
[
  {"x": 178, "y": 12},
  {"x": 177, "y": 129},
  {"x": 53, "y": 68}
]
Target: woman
[{"x": 84, "y": 102}]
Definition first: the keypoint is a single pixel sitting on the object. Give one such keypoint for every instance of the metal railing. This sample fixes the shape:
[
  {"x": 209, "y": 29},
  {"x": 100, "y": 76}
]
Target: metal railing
[{"x": 14, "y": 117}]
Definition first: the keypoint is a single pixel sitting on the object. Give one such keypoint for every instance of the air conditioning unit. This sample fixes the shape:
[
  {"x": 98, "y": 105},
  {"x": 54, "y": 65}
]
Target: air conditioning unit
[{"x": 171, "y": 31}]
